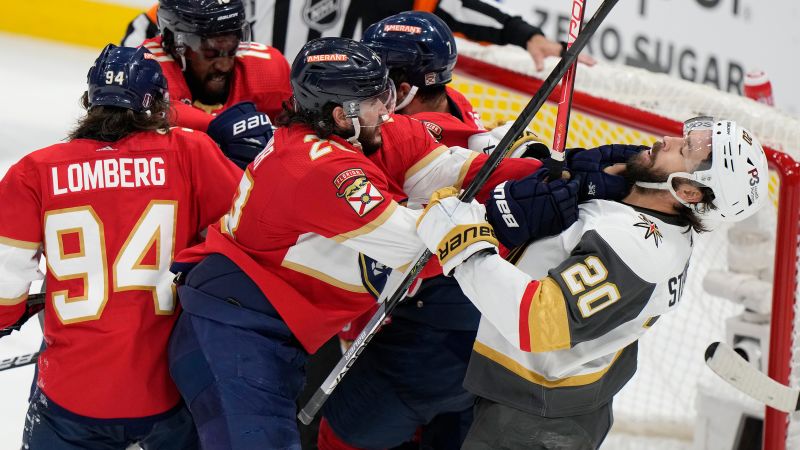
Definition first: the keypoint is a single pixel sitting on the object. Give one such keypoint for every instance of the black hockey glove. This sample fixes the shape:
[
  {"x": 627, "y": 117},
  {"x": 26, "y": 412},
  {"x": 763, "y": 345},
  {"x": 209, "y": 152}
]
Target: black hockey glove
[
  {"x": 532, "y": 208},
  {"x": 33, "y": 305},
  {"x": 242, "y": 132},
  {"x": 586, "y": 167}
]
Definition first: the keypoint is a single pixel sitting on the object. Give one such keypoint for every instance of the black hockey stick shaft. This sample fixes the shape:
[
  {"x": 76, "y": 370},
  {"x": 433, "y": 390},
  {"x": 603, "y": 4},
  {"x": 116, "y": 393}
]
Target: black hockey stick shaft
[
  {"x": 306, "y": 415},
  {"x": 18, "y": 361},
  {"x": 556, "y": 161}
]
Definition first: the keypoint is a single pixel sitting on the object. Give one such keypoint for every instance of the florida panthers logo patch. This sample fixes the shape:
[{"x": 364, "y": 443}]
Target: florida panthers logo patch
[
  {"x": 652, "y": 229},
  {"x": 353, "y": 186},
  {"x": 434, "y": 129}
]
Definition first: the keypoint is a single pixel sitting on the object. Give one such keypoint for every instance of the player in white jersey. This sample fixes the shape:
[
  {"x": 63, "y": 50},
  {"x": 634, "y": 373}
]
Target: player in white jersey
[{"x": 558, "y": 333}]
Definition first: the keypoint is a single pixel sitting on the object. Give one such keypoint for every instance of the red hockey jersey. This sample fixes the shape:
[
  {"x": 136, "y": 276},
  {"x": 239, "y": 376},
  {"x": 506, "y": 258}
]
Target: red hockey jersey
[
  {"x": 261, "y": 75},
  {"x": 307, "y": 206},
  {"x": 108, "y": 217},
  {"x": 453, "y": 129}
]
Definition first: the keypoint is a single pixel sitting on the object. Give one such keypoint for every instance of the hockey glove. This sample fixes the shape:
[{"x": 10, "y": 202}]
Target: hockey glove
[
  {"x": 532, "y": 208},
  {"x": 242, "y": 132},
  {"x": 454, "y": 230},
  {"x": 34, "y": 304},
  {"x": 587, "y": 167}
]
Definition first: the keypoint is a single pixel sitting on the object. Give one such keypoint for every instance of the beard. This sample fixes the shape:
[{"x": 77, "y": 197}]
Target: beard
[
  {"x": 370, "y": 139},
  {"x": 209, "y": 90},
  {"x": 640, "y": 167}
]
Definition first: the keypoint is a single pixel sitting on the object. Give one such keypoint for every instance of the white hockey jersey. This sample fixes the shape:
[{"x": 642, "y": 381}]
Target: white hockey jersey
[{"x": 558, "y": 333}]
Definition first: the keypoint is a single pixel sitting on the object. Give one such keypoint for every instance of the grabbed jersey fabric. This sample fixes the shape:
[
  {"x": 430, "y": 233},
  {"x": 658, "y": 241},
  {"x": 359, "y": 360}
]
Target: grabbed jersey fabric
[{"x": 558, "y": 333}]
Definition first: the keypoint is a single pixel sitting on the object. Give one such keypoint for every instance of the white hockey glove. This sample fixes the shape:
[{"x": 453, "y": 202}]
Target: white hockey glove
[
  {"x": 529, "y": 145},
  {"x": 454, "y": 230}
]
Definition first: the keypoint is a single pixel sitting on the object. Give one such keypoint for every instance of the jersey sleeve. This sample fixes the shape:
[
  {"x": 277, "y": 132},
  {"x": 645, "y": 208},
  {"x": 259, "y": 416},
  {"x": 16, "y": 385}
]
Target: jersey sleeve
[
  {"x": 589, "y": 294},
  {"x": 187, "y": 116},
  {"x": 20, "y": 239},
  {"x": 483, "y": 20},
  {"x": 214, "y": 180},
  {"x": 458, "y": 166},
  {"x": 350, "y": 204}
]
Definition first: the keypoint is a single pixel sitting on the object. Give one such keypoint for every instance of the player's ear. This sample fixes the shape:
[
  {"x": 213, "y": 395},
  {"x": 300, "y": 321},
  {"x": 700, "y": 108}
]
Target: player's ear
[
  {"x": 689, "y": 193},
  {"x": 402, "y": 91},
  {"x": 339, "y": 119}
]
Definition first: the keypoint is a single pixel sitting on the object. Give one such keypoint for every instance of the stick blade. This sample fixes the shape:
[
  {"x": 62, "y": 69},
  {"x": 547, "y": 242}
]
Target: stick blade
[{"x": 731, "y": 367}]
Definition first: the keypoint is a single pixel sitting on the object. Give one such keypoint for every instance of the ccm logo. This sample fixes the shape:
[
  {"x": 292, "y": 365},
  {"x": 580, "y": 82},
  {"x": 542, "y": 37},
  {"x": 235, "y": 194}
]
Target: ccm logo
[
  {"x": 250, "y": 123},
  {"x": 499, "y": 195},
  {"x": 466, "y": 237}
]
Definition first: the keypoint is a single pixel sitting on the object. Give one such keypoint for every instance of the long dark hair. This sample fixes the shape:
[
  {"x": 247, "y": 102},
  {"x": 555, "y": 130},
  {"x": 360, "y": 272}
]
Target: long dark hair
[
  {"x": 111, "y": 123},
  {"x": 320, "y": 121},
  {"x": 690, "y": 216}
]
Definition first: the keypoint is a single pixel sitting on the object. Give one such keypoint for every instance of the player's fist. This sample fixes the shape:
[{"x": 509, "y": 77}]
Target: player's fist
[
  {"x": 454, "y": 230},
  {"x": 242, "y": 132},
  {"x": 532, "y": 208},
  {"x": 587, "y": 167}
]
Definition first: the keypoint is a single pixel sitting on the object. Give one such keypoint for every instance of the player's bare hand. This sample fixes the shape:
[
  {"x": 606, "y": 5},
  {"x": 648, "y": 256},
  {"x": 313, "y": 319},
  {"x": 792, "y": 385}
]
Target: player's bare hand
[{"x": 540, "y": 48}]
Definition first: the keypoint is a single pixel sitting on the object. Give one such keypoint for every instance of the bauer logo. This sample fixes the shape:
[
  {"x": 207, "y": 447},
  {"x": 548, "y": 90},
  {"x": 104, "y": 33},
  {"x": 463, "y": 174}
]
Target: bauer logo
[
  {"x": 337, "y": 57},
  {"x": 397, "y": 28}
]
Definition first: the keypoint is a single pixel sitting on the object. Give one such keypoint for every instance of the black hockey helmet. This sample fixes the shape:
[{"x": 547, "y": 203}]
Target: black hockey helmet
[
  {"x": 187, "y": 22},
  {"x": 127, "y": 78},
  {"x": 340, "y": 71},
  {"x": 419, "y": 42}
]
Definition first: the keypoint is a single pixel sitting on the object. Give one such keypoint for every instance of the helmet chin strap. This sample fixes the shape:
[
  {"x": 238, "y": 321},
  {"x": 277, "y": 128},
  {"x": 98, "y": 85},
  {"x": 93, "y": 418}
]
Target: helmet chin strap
[
  {"x": 410, "y": 96},
  {"x": 662, "y": 185},
  {"x": 357, "y": 127}
]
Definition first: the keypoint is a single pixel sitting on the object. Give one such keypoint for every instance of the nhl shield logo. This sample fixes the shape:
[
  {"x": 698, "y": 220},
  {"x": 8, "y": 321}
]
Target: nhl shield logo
[
  {"x": 430, "y": 78},
  {"x": 321, "y": 15}
]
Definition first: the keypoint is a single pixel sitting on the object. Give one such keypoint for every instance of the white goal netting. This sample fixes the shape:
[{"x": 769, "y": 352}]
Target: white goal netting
[{"x": 628, "y": 105}]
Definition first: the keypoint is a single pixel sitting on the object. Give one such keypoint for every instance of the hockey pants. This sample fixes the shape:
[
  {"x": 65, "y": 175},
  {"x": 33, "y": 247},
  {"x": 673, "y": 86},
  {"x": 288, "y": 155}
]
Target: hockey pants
[{"x": 235, "y": 361}]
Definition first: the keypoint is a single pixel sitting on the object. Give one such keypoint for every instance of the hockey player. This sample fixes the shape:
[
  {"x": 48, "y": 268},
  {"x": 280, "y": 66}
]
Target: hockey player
[
  {"x": 210, "y": 63},
  {"x": 394, "y": 389},
  {"x": 108, "y": 209},
  {"x": 557, "y": 338},
  {"x": 279, "y": 277},
  {"x": 287, "y": 25}
]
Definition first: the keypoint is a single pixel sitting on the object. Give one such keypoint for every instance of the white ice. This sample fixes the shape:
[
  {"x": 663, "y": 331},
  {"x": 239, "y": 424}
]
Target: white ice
[{"x": 41, "y": 83}]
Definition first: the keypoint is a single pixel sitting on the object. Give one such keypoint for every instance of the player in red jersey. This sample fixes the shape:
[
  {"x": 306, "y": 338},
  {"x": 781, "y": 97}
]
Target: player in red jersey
[
  {"x": 109, "y": 209},
  {"x": 279, "y": 277},
  {"x": 393, "y": 389},
  {"x": 210, "y": 64}
]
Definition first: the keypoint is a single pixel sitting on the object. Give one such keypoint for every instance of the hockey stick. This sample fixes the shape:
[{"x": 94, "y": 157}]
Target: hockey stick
[
  {"x": 734, "y": 369},
  {"x": 556, "y": 161},
  {"x": 306, "y": 415},
  {"x": 18, "y": 361}
]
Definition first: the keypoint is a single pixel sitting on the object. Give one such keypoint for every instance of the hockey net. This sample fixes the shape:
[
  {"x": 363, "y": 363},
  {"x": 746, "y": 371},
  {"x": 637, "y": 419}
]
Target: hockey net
[{"x": 616, "y": 104}]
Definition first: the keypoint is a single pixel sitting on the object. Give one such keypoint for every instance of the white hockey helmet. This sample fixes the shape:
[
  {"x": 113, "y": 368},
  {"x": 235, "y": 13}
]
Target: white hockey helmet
[{"x": 736, "y": 172}]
